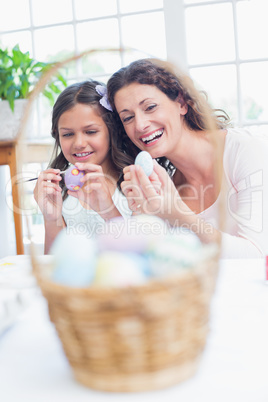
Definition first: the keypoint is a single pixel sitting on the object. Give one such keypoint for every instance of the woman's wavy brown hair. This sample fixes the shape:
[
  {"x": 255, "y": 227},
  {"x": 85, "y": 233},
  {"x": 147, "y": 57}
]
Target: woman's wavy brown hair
[
  {"x": 85, "y": 93},
  {"x": 162, "y": 75}
]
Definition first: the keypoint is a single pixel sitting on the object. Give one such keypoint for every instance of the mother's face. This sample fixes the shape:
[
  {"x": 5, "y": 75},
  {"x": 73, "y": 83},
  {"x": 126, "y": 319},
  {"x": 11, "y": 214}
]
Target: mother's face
[{"x": 151, "y": 120}]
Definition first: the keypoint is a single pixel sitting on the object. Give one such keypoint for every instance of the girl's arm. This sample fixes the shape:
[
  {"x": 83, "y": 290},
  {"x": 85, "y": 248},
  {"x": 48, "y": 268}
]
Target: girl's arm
[
  {"x": 52, "y": 229},
  {"x": 47, "y": 194}
]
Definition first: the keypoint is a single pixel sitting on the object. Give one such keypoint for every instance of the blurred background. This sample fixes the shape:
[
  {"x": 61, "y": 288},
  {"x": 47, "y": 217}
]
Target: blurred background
[{"x": 220, "y": 43}]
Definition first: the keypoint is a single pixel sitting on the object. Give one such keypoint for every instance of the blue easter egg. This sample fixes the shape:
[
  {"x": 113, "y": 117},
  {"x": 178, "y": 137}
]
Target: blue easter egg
[
  {"x": 74, "y": 259},
  {"x": 71, "y": 274},
  {"x": 145, "y": 160},
  {"x": 178, "y": 250}
]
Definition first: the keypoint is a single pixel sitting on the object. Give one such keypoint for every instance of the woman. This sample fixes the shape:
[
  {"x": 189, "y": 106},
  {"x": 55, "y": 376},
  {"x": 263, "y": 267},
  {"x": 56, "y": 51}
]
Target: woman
[
  {"x": 82, "y": 126},
  {"x": 163, "y": 115}
]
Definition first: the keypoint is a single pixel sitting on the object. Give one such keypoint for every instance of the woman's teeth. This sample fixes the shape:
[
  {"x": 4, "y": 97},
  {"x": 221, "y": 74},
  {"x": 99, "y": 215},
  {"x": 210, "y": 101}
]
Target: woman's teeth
[{"x": 152, "y": 137}]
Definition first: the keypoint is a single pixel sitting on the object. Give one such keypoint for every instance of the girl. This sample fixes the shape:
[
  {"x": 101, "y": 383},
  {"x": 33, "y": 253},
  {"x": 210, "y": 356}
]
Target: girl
[
  {"x": 83, "y": 127},
  {"x": 161, "y": 115}
]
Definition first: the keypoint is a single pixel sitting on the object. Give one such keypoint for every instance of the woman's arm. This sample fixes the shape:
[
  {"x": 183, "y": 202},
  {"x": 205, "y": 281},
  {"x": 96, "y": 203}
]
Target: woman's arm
[
  {"x": 247, "y": 195},
  {"x": 168, "y": 205},
  {"x": 157, "y": 195}
]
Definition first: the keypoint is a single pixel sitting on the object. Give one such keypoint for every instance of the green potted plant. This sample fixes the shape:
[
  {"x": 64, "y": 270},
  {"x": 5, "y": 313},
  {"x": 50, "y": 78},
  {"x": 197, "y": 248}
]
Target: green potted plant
[{"x": 18, "y": 74}]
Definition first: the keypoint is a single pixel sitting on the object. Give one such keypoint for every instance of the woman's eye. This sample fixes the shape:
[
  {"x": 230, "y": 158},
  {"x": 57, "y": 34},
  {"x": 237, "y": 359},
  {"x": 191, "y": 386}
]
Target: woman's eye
[
  {"x": 126, "y": 119},
  {"x": 149, "y": 108},
  {"x": 91, "y": 132}
]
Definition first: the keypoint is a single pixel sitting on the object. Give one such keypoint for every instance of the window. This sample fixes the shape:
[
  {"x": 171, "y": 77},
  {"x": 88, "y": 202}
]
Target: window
[
  {"x": 209, "y": 38},
  {"x": 56, "y": 29},
  {"x": 227, "y": 56},
  {"x": 73, "y": 27}
]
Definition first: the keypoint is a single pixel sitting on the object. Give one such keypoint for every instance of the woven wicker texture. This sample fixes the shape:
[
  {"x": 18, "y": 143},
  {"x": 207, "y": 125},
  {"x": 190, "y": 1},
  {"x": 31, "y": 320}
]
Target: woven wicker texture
[{"x": 133, "y": 339}]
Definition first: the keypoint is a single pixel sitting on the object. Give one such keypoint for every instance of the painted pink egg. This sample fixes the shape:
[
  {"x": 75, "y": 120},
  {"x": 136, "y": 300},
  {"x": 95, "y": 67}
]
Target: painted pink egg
[
  {"x": 134, "y": 234},
  {"x": 72, "y": 178}
]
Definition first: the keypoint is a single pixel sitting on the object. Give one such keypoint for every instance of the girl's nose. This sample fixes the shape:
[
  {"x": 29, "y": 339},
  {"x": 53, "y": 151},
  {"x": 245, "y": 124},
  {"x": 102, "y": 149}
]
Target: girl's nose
[{"x": 79, "y": 140}]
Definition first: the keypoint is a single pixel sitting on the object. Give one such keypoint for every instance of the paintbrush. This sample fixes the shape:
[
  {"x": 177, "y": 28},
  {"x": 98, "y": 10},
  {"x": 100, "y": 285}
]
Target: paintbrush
[{"x": 35, "y": 178}]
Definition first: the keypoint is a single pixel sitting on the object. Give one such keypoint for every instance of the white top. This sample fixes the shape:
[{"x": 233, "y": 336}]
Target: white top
[
  {"x": 245, "y": 175},
  {"x": 86, "y": 221}
]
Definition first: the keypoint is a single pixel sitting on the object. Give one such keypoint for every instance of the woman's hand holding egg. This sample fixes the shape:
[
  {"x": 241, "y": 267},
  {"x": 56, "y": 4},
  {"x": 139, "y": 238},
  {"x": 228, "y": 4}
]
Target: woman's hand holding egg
[
  {"x": 137, "y": 194},
  {"x": 154, "y": 195}
]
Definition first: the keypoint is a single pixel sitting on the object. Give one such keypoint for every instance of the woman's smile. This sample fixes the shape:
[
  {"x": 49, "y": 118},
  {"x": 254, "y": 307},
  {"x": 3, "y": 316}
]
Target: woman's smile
[{"x": 151, "y": 138}]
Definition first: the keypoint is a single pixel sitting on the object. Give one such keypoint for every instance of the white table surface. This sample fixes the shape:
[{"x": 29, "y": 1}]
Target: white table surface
[{"x": 234, "y": 366}]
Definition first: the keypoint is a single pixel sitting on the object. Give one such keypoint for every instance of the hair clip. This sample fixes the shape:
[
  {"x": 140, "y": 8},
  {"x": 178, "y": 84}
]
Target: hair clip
[{"x": 102, "y": 90}]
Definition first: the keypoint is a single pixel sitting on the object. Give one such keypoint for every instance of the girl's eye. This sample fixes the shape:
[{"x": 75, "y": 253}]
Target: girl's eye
[
  {"x": 67, "y": 134},
  {"x": 91, "y": 132}
]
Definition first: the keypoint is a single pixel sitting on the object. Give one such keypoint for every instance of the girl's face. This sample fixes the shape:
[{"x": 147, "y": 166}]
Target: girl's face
[
  {"x": 151, "y": 120},
  {"x": 83, "y": 135}
]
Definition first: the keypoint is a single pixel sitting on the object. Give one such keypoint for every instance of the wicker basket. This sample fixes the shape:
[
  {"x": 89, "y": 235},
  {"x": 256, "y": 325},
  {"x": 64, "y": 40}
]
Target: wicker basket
[{"x": 133, "y": 339}]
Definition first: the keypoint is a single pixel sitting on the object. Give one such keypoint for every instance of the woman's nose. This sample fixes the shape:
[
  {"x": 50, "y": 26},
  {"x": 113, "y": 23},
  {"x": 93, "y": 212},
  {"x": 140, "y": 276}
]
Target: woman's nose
[{"x": 142, "y": 122}]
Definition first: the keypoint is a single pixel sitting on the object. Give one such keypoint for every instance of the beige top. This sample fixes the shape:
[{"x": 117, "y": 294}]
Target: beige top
[{"x": 246, "y": 196}]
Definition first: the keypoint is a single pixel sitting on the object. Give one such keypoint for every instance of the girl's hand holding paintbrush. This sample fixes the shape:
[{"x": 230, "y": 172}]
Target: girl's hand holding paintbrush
[{"x": 47, "y": 194}]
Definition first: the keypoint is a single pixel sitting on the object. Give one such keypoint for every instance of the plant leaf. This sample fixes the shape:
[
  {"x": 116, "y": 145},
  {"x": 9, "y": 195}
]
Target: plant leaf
[
  {"x": 49, "y": 96},
  {"x": 19, "y": 73}
]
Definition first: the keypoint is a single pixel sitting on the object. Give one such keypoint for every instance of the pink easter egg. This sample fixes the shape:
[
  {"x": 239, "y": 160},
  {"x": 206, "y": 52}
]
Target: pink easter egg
[
  {"x": 132, "y": 235},
  {"x": 72, "y": 178}
]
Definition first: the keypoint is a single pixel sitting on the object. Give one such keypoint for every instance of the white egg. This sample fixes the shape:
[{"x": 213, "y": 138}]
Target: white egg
[{"x": 145, "y": 160}]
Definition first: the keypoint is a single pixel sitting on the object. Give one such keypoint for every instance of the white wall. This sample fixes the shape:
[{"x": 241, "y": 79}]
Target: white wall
[{"x": 7, "y": 231}]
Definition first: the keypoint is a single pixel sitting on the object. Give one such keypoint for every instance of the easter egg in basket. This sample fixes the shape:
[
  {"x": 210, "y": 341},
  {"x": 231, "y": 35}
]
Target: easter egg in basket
[
  {"x": 132, "y": 235},
  {"x": 74, "y": 259},
  {"x": 120, "y": 269}
]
